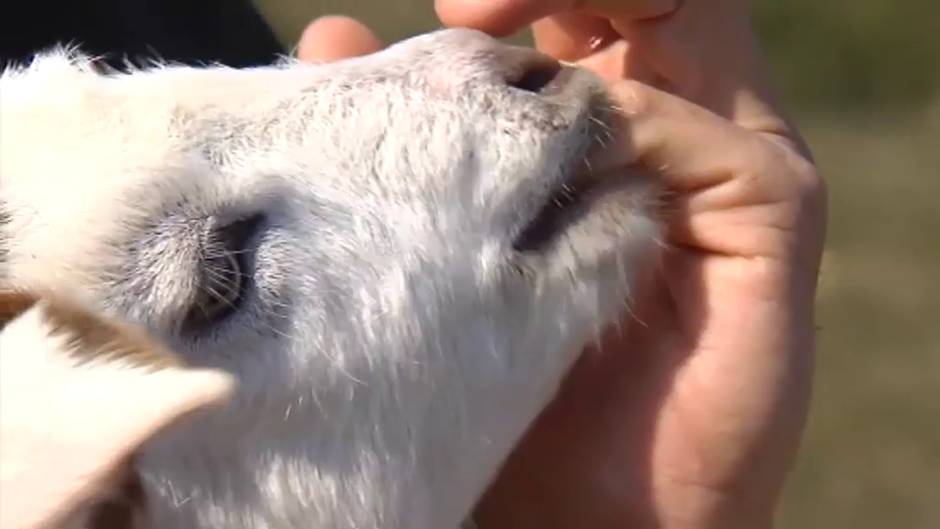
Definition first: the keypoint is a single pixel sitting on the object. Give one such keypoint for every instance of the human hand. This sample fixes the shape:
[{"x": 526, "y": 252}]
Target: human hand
[
  {"x": 692, "y": 422},
  {"x": 692, "y": 418}
]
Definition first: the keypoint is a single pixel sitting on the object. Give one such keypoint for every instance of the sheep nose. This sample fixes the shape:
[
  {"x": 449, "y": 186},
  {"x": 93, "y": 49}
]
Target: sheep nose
[{"x": 459, "y": 57}]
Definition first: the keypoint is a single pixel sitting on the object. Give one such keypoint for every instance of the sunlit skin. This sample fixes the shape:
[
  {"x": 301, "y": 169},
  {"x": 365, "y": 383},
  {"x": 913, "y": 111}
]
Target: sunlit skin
[{"x": 693, "y": 420}]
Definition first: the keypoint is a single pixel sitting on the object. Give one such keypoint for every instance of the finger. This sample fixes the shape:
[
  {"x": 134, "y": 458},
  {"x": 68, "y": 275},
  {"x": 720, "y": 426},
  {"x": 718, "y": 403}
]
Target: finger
[
  {"x": 618, "y": 61},
  {"x": 571, "y": 36},
  {"x": 594, "y": 44},
  {"x": 736, "y": 190},
  {"x": 668, "y": 134},
  {"x": 333, "y": 38},
  {"x": 710, "y": 54},
  {"x": 503, "y": 17}
]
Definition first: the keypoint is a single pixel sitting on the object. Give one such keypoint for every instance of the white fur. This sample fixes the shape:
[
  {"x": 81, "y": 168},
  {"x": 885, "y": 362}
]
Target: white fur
[{"x": 394, "y": 347}]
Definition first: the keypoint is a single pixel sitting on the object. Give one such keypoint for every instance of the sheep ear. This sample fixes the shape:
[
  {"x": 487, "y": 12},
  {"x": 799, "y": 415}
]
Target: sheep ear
[{"x": 79, "y": 394}]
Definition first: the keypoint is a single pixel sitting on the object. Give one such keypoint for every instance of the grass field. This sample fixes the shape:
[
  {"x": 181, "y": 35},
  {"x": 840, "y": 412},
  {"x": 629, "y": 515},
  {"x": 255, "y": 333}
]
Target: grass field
[
  {"x": 872, "y": 453},
  {"x": 871, "y": 458}
]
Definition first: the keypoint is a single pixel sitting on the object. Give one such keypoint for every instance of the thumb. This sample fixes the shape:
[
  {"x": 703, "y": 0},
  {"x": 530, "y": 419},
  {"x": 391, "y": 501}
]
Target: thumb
[{"x": 333, "y": 38}]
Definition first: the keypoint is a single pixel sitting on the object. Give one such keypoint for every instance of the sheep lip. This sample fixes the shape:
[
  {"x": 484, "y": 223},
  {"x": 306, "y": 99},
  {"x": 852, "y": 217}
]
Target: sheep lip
[
  {"x": 569, "y": 200},
  {"x": 574, "y": 195}
]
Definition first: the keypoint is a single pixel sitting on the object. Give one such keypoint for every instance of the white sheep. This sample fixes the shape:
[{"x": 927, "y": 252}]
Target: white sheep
[{"x": 398, "y": 257}]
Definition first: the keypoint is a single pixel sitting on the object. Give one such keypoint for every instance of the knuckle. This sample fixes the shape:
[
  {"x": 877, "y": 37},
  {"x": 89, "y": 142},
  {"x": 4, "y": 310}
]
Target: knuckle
[
  {"x": 805, "y": 184},
  {"x": 812, "y": 189},
  {"x": 804, "y": 174},
  {"x": 759, "y": 156},
  {"x": 783, "y": 171}
]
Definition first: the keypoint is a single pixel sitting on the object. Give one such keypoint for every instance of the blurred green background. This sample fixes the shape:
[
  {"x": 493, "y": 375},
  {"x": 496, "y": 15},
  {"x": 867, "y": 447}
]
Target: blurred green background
[{"x": 863, "y": 79}]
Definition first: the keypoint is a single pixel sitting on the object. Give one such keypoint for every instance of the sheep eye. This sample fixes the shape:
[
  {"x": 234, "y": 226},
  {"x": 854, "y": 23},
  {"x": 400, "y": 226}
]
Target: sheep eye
[
  {"x": 223, "y": 276},
  {"x": 219, "y": 288}
]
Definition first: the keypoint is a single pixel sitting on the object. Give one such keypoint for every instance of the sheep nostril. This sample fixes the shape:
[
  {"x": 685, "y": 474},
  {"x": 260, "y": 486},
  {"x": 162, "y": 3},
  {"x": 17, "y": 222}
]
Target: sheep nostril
[
  {"x": 529, "y": 70},
  {"x": 536, "y": 79}
]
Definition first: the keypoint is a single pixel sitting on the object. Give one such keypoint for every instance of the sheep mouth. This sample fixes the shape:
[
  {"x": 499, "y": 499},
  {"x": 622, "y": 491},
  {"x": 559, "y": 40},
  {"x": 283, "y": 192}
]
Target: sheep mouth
[
  {"x": 569, "y": 201},
  {"x": 582, "y": 189}
]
